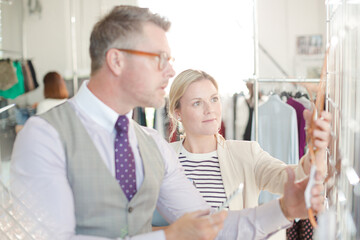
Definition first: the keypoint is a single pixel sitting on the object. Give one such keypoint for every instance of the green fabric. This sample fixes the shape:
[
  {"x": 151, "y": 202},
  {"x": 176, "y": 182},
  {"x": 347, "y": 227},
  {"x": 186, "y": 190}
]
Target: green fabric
[{"x": 18, "y": 88}]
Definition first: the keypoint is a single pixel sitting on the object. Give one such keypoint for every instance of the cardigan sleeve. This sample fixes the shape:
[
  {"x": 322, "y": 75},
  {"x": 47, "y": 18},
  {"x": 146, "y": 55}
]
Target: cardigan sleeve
[{"x": 270, "y": 173}]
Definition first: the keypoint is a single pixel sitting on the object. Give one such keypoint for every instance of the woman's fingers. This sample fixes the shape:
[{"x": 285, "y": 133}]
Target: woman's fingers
[{"x": 322, "y": 132}]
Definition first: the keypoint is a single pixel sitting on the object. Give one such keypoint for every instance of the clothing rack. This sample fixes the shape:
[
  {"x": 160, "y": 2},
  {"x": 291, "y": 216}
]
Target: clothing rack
[
  {"x": 256, "y": 82},
  {"x": 22, "y": 78},
  {"x": 12, "y": 52},
  {"x": 3, "y": 109},
  {"x": 285, "y": 80}
]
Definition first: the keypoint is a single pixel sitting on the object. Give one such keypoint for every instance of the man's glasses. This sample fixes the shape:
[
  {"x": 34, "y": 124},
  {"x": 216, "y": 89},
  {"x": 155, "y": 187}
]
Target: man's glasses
[{"x": 164, "y": 58}]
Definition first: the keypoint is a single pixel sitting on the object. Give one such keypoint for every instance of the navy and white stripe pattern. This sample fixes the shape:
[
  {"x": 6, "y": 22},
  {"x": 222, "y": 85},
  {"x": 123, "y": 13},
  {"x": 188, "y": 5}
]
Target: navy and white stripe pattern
[{"x": 204, "y": 171}]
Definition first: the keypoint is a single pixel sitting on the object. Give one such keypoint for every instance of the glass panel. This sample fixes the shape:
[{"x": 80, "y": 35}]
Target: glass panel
[{"x": 344, "y": 104}]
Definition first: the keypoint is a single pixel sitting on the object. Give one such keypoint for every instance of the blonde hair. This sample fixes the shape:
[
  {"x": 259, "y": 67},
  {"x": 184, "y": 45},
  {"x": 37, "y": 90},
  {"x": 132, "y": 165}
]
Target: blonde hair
[
  {"x": 120, "y": 28},
  {"x": 178, "y": 89}
]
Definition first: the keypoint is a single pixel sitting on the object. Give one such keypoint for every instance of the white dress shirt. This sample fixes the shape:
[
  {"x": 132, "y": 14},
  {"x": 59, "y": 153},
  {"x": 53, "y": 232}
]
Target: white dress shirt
[{"x": 39, "y": 163}]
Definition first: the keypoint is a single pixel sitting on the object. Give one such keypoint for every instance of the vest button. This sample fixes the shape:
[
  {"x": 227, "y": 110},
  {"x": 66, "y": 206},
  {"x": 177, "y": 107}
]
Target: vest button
[{"x": 130, "y": 209}]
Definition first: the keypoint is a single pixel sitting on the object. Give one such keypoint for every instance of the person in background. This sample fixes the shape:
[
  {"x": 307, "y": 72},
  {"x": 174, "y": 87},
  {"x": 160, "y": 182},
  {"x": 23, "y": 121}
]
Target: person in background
[
  {"x": 98, "y": 175},
  {"x": 55, "y": 92},
  {"x": 217, "y": 166}
]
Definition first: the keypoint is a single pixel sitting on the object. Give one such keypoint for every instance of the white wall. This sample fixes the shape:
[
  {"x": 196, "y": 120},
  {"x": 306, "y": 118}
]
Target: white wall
[
  {"x": 48, "y": 41},
  {"x": 11, "y": 33},
  {"x": 40, "y": 37},
  {"x": 87, "y": 13},
  {"x": 47, "y": 38},
  {"x": 280, "y": 22}
]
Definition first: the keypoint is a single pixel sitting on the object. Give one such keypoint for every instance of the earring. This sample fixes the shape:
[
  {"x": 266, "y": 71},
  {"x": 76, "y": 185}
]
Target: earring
[{"x": 179, "y": 118}]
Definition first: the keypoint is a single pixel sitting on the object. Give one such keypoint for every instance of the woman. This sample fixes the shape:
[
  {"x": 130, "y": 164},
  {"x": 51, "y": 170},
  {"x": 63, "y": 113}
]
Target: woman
[
  {"x": 55, "y": 92},
  {"x": 217, "y": 166},
  {"x": 194, "y": 101}
]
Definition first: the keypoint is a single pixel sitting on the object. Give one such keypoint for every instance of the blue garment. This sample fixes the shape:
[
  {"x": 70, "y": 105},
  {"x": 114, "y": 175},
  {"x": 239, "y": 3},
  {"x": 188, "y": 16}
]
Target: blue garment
[
  {"x": 278, "y": 134},
  {"x": 23, "y": 114}
]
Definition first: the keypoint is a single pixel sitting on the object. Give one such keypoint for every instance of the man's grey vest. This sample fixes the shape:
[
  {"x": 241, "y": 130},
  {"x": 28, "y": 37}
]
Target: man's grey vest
[{"x": 101, "y": 208}]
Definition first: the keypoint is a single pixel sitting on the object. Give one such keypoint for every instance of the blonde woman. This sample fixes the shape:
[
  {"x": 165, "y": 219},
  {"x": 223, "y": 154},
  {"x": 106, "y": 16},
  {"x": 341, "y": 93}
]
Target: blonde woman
[{"x": 217, "y": 166}]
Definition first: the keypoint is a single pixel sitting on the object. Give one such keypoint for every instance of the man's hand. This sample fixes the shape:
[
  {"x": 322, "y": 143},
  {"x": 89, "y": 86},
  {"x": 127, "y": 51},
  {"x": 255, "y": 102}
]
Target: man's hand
[
  {"x": 196, "y": 225},
  {"x": 321, "y": 134},
  {"x": 293, "y": 202}
]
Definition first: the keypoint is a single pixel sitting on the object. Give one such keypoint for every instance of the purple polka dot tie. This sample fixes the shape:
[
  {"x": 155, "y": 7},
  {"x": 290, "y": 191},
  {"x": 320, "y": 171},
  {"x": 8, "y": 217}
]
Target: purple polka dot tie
[{"x": 124, "y": 158}]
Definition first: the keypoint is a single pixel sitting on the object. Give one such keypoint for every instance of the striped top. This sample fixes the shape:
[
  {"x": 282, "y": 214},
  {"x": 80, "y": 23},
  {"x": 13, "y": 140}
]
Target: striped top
[{"x": 203, "y": 169}]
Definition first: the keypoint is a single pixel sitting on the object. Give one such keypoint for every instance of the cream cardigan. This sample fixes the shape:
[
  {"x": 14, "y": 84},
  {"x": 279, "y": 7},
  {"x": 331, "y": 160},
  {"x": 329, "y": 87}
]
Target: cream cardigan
[{"x": 246, "y": 162}]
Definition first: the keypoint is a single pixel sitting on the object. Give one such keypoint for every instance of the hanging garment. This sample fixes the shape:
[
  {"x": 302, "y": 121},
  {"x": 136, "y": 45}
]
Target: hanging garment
[
  {"x": 235, "y": 97},
  {"x": 278, "y": 135},
  {"x": 247, "y": 133},
  {"x": 18, "y": 88},
  {"x": 222, "y": 129},
  {"x": 7, "y": 75},
  {"x": 23, "y": 114},
  {"x": 27, "y": 73},
  {"x": 33, "y": 74},
  {"x": 250, "y": 109},
  {"x": 302, "y": 229},
  {"x": 304, "y": 101},
  {"x": 159, "y": 121},
  {"x": 162, "y": 120},
  {"x": 299, "y": 108},
  {"x": 26, "y": 80},
  {"x": 228, "y": 115},
  {"x": 139, "y": 116},
  {"x": 241, "y": 117}
]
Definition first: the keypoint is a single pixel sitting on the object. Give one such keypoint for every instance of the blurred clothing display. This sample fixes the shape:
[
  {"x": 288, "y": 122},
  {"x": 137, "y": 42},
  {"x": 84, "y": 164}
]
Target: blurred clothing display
[{"x": 17, "y": 77}]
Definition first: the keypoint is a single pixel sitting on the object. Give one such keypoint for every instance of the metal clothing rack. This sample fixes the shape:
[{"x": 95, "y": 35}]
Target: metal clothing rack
[
  {"x": 10, "y": 51},
  {"x": 287, "y": 80},
  {"x": 3, "y": 109},
  {"x": 256, "y": 82},
  {"x": 8, "y": 54}
]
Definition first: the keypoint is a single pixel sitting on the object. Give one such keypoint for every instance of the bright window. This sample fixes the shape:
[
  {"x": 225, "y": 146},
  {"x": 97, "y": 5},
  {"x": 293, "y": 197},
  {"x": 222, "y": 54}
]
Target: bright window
[{"x": 213, "y": 36}]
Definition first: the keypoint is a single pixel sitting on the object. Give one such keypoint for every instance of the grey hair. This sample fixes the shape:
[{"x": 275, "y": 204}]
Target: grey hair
[{"x": 120, "y": 28}]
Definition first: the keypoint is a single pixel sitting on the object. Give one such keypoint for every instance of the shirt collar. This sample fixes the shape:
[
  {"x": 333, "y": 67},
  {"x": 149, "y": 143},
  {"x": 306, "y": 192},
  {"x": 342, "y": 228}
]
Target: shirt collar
[{"x": 96, "y": 109}]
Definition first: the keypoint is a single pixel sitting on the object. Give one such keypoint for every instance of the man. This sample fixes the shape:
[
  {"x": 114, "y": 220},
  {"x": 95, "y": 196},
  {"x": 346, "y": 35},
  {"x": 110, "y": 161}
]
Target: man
[{"x": 99, "y": 177}]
